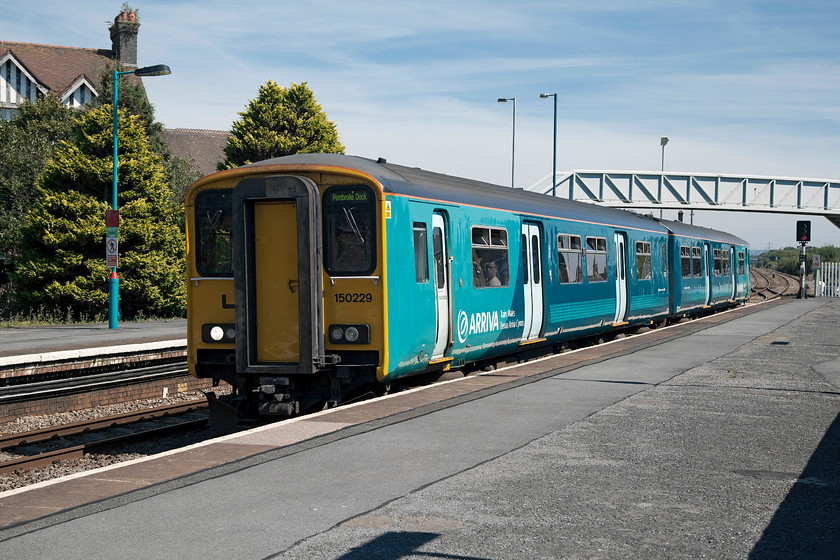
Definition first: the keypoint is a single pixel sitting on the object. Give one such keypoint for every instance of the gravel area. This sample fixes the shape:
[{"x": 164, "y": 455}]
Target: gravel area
[{"x": 118, "y": 454}]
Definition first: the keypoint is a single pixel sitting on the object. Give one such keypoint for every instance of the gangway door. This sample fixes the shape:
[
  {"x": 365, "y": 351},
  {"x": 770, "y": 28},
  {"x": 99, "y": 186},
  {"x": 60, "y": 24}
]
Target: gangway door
[{"x": 277, "y": 275}]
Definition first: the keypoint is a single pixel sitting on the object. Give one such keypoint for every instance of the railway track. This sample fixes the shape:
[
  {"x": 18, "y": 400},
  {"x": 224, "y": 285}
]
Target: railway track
[
  {"x": 72, "y": 441},
  {"x": 769, "y": 284}
]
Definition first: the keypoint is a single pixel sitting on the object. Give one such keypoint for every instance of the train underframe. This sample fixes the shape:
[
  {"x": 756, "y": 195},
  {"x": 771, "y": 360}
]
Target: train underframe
[{"x": 254, "y": 396}]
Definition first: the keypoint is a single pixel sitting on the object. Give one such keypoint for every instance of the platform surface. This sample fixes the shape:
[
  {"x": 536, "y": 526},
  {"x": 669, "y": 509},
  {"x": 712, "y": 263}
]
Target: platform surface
[
  {"x": 20, "y": 341},
  {"x": 722, "y": 444}
]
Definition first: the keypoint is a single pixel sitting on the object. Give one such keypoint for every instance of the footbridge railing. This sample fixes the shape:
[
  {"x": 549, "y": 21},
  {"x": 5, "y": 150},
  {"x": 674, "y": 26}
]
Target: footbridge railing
[{"x": 694, "y": 191}]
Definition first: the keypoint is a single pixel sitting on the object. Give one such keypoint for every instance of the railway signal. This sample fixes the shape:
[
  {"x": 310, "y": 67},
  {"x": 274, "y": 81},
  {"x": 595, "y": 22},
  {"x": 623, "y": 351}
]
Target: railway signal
[
  {"x": 803, "y": 236},
  {"x": 803, "y": 231}
]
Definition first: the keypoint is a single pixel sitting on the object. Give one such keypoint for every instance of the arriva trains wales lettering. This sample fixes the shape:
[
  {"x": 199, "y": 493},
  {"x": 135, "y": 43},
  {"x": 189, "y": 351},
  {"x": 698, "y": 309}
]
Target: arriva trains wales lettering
[{"x": 481, "y": 323}]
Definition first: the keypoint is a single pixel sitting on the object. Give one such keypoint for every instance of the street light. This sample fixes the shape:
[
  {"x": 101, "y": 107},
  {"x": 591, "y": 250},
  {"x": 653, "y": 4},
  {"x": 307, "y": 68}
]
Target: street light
[
  {"x": 114, "y": 281},
  {"x": 513, "y": 146},
  {"x": 554, "y": 159},
  {"x": 662, "y": 142}
]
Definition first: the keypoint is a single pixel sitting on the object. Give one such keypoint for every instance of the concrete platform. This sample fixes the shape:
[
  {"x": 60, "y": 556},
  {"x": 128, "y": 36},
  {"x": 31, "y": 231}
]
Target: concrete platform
[
  {"x": 718, "y": 438},
  {"x": 20, "y": 341}
]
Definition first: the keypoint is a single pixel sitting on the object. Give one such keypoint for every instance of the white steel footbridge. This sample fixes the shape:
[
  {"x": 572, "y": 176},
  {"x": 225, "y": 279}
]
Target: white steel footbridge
[{"x": 695, "y": 191}]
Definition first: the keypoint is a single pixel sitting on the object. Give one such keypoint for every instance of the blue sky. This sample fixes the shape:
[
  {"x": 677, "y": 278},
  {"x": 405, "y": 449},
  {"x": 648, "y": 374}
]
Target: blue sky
[{"x": 739, "y": 87}]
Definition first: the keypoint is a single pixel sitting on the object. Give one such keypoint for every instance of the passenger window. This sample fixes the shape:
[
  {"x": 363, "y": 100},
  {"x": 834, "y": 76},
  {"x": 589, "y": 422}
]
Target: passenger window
[
  {"x": 569, "y": 259},
  {"x": 718, "y": 263},
  {"x": 741, "y": 268},
  {"x": 525, "y": 276},
  {"x": 685, "y": 261},
  {"x": 596, "y": 259},
  {"x": 440, "y": 264},
  {"x": 725, "y": 262},
  {"x": 665, "y": 259},
  {"x": 643, "y": 266},
  {"x": 696, "y": 262},
  {"x": 490, "y": 257},
  {"x": 421, "y": 254}
]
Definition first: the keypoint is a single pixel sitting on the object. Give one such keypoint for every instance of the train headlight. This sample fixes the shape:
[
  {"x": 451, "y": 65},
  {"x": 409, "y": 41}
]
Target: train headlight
[
  {"x": 349, "y": 334},
  {"x": 336, "y": 334},
  {"x": 217, "y": 333}
]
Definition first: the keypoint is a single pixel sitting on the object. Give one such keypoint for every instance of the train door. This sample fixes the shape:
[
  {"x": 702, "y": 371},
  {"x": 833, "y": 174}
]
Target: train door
[
  {"x": 620, "y": 277},
  {"x": 707, "y": 270},
  {"x": 733, "y": 273},
  {"x": 442, "y": 307},
  {"x": 532, "y": 279},
  {"x": 277, "y": 275}
]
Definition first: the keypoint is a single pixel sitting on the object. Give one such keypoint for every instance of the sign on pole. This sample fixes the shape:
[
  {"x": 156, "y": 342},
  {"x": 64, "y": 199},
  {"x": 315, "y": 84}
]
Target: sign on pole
[
  {"x": 112, "y": 253},
  {"x": 112, "y": 238}
]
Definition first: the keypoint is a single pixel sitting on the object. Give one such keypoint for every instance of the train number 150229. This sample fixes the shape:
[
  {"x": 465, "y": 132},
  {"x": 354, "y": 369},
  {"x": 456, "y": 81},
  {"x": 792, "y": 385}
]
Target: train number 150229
[{"x": 353, "y": 298}]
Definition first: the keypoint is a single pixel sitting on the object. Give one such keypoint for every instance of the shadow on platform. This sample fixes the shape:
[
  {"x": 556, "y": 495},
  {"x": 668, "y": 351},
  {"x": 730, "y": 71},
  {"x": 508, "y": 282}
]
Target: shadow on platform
[
  {"x": 807, "y": 523},
  {"x": 400, "y": 544}
]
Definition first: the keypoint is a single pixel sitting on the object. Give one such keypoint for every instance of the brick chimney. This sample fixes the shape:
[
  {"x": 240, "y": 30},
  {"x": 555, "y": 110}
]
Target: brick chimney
[{"x": 124, "y": 38}]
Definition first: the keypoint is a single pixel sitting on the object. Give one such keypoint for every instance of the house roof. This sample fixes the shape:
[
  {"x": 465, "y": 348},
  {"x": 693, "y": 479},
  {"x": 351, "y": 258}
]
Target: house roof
[
  {"x": 59, "y": 68},
  {"x": 203, "y": 148}
]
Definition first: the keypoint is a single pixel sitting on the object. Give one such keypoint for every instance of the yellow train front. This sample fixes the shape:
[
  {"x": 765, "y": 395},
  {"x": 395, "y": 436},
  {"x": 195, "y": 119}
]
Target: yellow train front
[{"x": 274, "y": 260}]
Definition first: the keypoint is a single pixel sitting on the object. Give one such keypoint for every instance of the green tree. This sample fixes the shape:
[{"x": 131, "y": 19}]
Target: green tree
[
  {"x": 132, "y": 99},
  {"x": 62, "y": 261},
  {"x": 26, "y": 143},
  {"x": 280, "y": 122}
]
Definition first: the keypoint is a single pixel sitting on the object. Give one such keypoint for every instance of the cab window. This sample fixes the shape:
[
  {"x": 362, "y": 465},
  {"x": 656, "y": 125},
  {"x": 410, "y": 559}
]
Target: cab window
[
  {"x": 349, "y": 230},
  {"x": 213, "y": 230}
]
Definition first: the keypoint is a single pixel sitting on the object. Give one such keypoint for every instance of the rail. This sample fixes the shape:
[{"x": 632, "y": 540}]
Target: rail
[{"x": 14, "y": 442}]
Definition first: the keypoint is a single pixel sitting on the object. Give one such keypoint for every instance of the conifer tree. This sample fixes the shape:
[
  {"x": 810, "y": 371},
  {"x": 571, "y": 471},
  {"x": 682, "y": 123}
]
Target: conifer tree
[
  {"x": 279, "y": 122},
  {"x": 62, "y": 261},
  {"x": 26, "y": 143}
]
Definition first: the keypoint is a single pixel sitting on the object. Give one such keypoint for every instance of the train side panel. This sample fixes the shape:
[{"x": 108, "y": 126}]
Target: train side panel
[{"x": 648, "y": 273}]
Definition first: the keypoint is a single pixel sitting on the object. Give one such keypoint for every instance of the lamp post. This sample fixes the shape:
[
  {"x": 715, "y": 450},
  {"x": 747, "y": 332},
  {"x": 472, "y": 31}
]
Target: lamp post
[
  {"x": 513, "y": 145},
  {"x": 554, "y": 154},
  {"x": 113, "y": 281},
  {"x": 662, "y": 142}
]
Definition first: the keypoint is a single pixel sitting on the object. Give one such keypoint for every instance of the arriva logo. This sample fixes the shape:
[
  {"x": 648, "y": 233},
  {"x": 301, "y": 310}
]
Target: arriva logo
[{"x": 477, "y": 323}]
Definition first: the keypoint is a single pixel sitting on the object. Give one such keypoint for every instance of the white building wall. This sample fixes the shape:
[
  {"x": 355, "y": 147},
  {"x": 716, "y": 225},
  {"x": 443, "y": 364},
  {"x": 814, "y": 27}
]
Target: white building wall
[{"x": 15, "y": 87}]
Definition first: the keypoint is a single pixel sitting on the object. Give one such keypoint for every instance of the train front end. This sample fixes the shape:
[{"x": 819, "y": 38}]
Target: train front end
[{"x": 286, "y": 287}]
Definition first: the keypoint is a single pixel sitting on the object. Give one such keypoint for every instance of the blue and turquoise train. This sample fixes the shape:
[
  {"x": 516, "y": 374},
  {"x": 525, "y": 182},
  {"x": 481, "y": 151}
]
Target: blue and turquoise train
[{"x": 314, "y": 276}]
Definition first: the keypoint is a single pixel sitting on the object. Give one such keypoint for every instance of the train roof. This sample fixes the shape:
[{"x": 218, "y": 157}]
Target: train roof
[
  {"x": 419, "y": 183},
  {"x": 689, "y": 230},
  {"x": 416, "y": 182}
]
